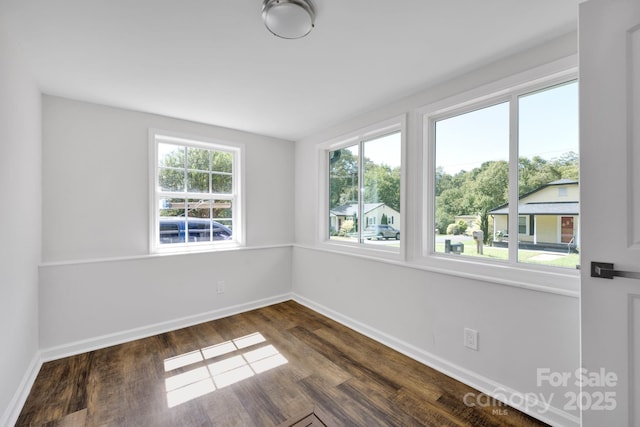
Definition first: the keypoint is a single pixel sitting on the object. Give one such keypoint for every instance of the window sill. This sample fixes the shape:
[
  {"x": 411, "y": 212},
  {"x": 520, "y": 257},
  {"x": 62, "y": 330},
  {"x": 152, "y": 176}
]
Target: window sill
[
  {"x": 235, "y": 248},
  {"x": 177, "y": 249},
  {"x": 365, "y": 250},
  {"x": 557, "y": 280}
]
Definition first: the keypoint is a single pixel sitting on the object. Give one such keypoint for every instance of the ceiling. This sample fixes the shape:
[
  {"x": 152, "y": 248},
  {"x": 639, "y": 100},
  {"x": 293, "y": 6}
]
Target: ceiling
[{"x": 213, "y": 61}]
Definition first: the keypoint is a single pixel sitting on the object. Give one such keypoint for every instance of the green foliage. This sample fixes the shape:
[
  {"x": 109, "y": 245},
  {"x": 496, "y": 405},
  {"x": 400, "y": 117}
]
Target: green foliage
[
  {"x": 191, "y": 169},
  {"x": 347, "y": 227},
  {"x": 453, "y": 229},
  {"x": 343, "y": 178},
  {"x": 462, "y": 226},
  {"x": 536, "y": 172},
  {"x": 381, "y": 182},
  {"x": 384, "y": 220},
  {"x": 491, "y": 190},
  {"x": 456, "y": 228}
]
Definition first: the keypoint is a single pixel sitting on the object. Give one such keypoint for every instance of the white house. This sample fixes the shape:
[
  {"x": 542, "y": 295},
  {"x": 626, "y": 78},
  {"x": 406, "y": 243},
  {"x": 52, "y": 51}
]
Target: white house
[
  {"x": 372, "y": 212},
  {"x": 547, "y": 216}
]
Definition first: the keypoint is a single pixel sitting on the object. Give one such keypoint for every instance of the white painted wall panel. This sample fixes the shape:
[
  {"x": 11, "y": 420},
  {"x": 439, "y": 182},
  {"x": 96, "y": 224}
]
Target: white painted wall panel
[
  {"x": 95, "y": 180},
  {"x": 100, "y": 303},
  {"x": 633, "y": 142},
  {"x": 20, "y": 216}
]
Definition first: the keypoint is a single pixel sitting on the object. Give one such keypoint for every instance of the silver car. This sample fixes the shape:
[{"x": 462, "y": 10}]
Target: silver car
[{"x": 381, "y": 231}]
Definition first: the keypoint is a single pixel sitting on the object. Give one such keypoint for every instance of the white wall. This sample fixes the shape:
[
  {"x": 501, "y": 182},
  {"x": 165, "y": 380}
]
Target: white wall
[
  {"x": 95, "y": 304},
  {"x": 98, "y": 284},
  {"x": 421, "y": 312},
  {"x": 95, "y": 186},
  {"x": 20, "y": 216}
]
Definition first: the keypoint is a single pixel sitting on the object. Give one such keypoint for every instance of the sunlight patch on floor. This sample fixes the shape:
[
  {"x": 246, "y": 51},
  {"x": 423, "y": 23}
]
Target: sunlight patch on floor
[{"x": 203, "y": 380}]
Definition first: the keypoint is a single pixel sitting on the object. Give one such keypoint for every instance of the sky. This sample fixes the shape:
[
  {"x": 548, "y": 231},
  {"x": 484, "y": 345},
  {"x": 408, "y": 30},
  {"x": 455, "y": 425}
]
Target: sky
[
  {"x": 547, "y": 127},
  {"x": 384, "y": 150}
]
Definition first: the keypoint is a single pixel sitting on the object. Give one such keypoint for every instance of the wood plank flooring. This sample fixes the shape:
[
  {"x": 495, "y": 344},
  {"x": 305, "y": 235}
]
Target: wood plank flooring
[{"x": 266, "y": 367}]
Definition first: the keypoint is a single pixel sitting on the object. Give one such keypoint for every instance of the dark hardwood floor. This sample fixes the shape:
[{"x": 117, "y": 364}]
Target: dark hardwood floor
[{"x": 276, "y": 366}]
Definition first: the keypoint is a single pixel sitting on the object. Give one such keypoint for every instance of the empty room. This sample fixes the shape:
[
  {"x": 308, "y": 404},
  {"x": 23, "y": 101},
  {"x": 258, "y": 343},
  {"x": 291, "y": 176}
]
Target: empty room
[{"x": 304, "y": 212}]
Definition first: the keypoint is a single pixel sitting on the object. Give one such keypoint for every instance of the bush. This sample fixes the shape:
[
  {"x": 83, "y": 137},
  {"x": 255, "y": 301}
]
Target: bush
[
  {"x": 453, "y": 229},
  {"x": 462, "y": 226},
  {"x": 346, "y": 227}
]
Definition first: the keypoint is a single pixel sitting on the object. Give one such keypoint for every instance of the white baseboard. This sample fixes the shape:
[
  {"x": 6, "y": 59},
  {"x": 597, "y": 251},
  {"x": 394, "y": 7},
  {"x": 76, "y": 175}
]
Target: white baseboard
[
  {"x": 103, "y": 341},
  {"x": 12, "y": 412},
  {"x": 550, "y": 415}
]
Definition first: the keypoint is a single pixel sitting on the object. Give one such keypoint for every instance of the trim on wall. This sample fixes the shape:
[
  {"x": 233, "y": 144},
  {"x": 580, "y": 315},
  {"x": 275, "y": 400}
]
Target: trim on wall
[
  {"x": 11, "y": 414},
  {"x": 161, "y": 255},
  {"x": 551, "y": 415},
  {"x": 103, "y": 341},
  {"x": 450, "y": 272}
]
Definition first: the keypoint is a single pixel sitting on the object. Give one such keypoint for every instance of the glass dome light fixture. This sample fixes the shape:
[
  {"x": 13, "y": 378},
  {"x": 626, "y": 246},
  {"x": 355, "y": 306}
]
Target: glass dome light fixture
[{"x": 289, "y": 19}]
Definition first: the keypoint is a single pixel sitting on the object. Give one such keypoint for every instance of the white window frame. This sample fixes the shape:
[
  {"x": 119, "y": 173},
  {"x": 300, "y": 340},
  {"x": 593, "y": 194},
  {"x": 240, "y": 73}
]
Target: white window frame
[
  {"x": 236, "y": 196},
  {"x": 380, "y": 129},
  {"x": 511, "y": 272}
]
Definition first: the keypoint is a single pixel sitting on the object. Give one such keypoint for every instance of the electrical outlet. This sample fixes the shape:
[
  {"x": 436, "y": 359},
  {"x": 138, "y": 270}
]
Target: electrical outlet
[
  {"x": 471, "y": 338},
  {"x": 220, "y": 288}
]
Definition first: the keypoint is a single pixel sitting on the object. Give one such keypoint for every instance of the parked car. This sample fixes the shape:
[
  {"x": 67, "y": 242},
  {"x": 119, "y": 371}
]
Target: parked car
[
  {"x": 381, "y": 231},
  {"x": 174, "y": 230}
]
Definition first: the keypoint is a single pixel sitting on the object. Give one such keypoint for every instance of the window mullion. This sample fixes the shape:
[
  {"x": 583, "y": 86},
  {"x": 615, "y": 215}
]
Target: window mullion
[
  {"x": 186, "y": 171},
  {"x": 513, "y": 180},
  {"x": 360, "y": 189}
]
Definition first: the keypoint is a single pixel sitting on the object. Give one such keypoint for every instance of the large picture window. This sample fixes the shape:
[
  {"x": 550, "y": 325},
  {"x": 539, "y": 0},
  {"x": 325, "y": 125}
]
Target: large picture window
[
  {"x": 511, "y": 156},
  {"x": 195, "y": 200},
  {"x": 364, "y": 190}
]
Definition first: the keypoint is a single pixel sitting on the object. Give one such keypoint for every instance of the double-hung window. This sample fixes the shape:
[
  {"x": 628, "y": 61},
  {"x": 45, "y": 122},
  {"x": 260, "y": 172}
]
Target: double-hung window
[
  {"x": 502, "y": 177},
  {"x": 362, "y": 205},
  {"x": 195, "y": 200}
]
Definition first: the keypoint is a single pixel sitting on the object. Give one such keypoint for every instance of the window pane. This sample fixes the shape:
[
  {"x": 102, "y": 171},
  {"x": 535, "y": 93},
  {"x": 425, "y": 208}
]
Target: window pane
[
  {"x": 381, "y": 190},
  {"x": 472, "y": 183},
  {"x": 198, "y": 182},
  {"x": 170, "y": 155},
  {"x": 171, "y": 221},
  {"x": 522, "y": 225},
  {"x": 548, "y": 175},
  {"x": 171, "y": 207},
  {"x": 221, "y": 183},
  {"x": 343, "y": 194},
  {"x": 199, "y": 208},
  {"x": 169, "y": 232},
  {"x": 198, "y": 159},
  {"x": 222, "y": 214},
  {"x": 222, "y": 162},
  {"x": 199, "y": 220},
  {"x": 171, "y": 179}
]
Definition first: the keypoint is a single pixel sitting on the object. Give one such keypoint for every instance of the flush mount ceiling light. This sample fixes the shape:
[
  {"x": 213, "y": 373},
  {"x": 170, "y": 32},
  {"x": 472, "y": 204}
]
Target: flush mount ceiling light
[{"x": 289, "y": 19}]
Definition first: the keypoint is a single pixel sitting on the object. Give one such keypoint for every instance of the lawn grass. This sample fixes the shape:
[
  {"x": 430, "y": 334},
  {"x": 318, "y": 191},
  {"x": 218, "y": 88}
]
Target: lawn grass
[{"x": 524, "y": 256}]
